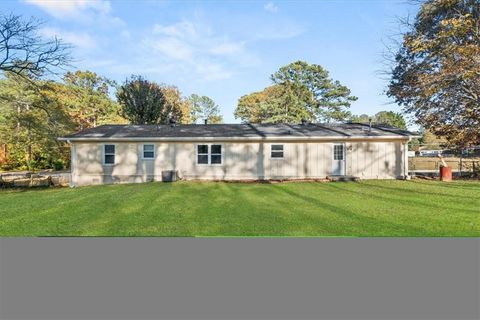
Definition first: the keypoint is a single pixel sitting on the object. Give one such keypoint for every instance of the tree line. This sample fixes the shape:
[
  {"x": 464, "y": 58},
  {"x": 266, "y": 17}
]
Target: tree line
[
  {"x": 35, "y": 112},
  {"x": 434, "y": 77}
]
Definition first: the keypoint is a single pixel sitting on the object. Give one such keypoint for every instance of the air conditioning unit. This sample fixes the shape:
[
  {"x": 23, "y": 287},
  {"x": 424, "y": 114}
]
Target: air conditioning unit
[{"x": 169, "y": 175}]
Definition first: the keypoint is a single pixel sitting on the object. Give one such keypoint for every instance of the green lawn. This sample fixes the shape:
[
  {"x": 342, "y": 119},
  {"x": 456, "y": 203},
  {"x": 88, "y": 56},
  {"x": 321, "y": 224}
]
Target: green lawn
[{"x": 367, "y": 208}]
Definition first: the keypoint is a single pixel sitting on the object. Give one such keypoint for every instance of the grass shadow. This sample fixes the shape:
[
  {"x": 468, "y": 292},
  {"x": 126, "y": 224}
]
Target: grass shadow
[
  {"x": 363, "y": 220},
  {"x": 402, "y": 201}
]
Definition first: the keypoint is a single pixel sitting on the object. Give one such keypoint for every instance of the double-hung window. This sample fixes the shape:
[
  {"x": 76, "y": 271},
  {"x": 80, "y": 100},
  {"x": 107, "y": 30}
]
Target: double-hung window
[
  {"x": 210, "y": 154},
  {"x": 202, "y": 154},
  {"x": 276, "y": 151},
  {"x": 109, "y": 154},
  {"x": 216, "y": 154},
  {"x": 148, "y": 151}
]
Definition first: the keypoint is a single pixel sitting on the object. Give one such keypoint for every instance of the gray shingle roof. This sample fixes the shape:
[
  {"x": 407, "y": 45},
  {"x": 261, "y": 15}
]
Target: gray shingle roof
[{"x": 196, "y": 131}]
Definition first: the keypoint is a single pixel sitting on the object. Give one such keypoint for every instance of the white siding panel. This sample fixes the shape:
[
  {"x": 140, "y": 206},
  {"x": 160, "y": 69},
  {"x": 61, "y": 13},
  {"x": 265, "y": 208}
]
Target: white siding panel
[{"x": 242, "y": 160}]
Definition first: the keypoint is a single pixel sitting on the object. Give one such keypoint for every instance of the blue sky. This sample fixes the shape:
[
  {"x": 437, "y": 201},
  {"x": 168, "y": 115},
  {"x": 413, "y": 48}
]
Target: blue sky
[{"x": 226, "y": 49}]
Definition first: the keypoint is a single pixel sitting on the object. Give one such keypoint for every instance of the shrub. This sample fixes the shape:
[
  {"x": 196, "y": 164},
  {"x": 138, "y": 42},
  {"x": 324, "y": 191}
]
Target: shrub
[{"x": 58, "y": 165}]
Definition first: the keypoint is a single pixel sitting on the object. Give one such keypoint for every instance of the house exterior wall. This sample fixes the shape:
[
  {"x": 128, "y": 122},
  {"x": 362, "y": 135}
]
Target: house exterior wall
[
  {"x": 376, "y": 160},
  {"x": 241, "y": 160}
]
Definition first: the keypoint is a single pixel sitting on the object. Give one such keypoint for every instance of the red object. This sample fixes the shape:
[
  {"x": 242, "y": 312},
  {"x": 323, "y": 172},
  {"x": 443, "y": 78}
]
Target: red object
[{"x": 446, "y": 173}]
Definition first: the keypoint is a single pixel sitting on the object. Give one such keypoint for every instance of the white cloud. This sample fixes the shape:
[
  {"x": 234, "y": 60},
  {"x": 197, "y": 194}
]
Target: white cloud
[
  {"x": 80, "y": 10},
  {"x": 213, "y": 71},
  {"x": 181, "y": 29},
  {"x": 186, "y": 40},
  {"x": 227, "y": 48},
  {"x": 270, "y": 7},
  {"x": 278, "y": 32},
  {"x": 78, "y": 39},
  {"x": 194, "y": 47},
  {"x": 188, "y": 49},
  {"x": 171, "y": 47},
  {"x": 125, "y": 34},
  {"x": 62, "y": 9}
]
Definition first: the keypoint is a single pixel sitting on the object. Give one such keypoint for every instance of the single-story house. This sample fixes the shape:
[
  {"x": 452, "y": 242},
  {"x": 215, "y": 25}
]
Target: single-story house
[{"x": 140, "y": 153}]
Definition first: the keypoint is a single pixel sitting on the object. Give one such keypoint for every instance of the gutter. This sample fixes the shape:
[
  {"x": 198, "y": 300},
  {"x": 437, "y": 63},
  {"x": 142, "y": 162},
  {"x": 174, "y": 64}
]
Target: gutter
[{"x": 187, "y": 139}]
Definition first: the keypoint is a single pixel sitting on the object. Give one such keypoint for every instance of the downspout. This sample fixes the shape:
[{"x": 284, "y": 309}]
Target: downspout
[{"x": 405, "y": 165}]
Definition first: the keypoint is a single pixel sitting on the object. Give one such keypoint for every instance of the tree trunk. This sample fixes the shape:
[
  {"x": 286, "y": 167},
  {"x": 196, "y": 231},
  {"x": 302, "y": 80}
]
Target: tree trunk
[
  {"x": 18, "y": 125},
  {"x": 29, "y": 144}
]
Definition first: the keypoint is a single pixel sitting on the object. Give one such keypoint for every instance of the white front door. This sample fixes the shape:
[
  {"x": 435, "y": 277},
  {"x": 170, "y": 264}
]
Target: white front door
[{"x": 338, "y": 159}]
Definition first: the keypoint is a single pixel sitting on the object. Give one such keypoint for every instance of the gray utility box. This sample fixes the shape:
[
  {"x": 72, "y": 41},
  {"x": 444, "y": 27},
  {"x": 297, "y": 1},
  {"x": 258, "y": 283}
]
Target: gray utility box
[{"x": 169, "y": 175}]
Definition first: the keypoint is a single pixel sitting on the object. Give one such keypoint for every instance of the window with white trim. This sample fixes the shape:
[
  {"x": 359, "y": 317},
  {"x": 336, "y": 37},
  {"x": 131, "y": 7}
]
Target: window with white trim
[
  {"x": 109, "y": 154},
  {"x": 216, "y": 154},
  {"x": 202, "y": 154},
  {"x": 148, "y": 151},
  {"x": 210, "y": 154},
  {"x": 276, "y": 151},
  {"x": 338, "y": 152}
]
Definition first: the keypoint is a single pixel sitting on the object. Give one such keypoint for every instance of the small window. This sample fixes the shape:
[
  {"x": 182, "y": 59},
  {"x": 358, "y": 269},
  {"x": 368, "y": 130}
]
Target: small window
[
  {"x": 148, "y": 151},
  {"x": 338, "y": 153},
  {"x": 202, "y": 154},
  {"x": 276, "y": 151},
  {"x": 109, "y": 154},
  {"x": 216, "y": 154}
]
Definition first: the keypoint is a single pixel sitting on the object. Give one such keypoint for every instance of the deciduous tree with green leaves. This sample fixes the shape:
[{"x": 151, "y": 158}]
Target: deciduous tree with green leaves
[
  {"x": 141, "y": 101},
  {"x": 204, "y": 108},
  {"x": 300, "y": 91},
  {"x": 32, "y": 120},
  {"x": 390, "y": 118},
  {"x": 256, "y": 107},
  {"x": 145, "y": 102},
  {"x": 86, "y": 97},
  {"x": 436, "y": 70},
  {"x": 176, "y": 105}
]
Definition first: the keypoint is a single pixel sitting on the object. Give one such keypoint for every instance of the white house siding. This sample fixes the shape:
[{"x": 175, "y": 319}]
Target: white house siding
[
  {"x": 241, "y": 160},
  {"x": 376, "y": 160}
]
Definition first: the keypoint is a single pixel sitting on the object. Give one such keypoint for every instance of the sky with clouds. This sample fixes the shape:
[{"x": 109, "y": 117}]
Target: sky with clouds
[{"x": 226, "y": 49}]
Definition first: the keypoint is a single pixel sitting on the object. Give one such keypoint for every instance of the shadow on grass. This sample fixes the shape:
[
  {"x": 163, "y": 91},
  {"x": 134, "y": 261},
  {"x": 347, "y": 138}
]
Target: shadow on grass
[
  {"x": 245, "y": 212},
  {"x": 455, "y": 184},
  {"x": 420, "y": 202},
  {"x": 368, "y": 222},
  {"x": 416, "y": 191},
  {"x": 219, "y": 209},
  {"x": 51, "y": 205}
]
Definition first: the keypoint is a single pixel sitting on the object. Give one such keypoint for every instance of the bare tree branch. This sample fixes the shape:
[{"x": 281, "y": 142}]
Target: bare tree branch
[{"x": 23, "y": 51}]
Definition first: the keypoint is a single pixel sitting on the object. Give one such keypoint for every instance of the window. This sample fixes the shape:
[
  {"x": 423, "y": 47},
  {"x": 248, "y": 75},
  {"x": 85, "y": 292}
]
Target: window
[
  {"x": 148, "y": 151},
  {"x": 338, "y": 152},
  {"x": 202, "y": 154},
  {"x": 276, "y": 151},
  {"x": 209, "y": 154},
  {"x": 109, "y": 154},
  {"x": 216, "y": 154}
]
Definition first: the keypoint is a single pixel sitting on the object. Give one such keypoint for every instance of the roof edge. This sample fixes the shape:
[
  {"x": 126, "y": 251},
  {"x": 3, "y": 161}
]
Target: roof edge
[{"x": 270, "y": 138}]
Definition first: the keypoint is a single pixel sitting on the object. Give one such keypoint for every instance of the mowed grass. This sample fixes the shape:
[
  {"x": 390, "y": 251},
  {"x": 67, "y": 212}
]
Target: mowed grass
[{"x": 367, "y": 208}]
